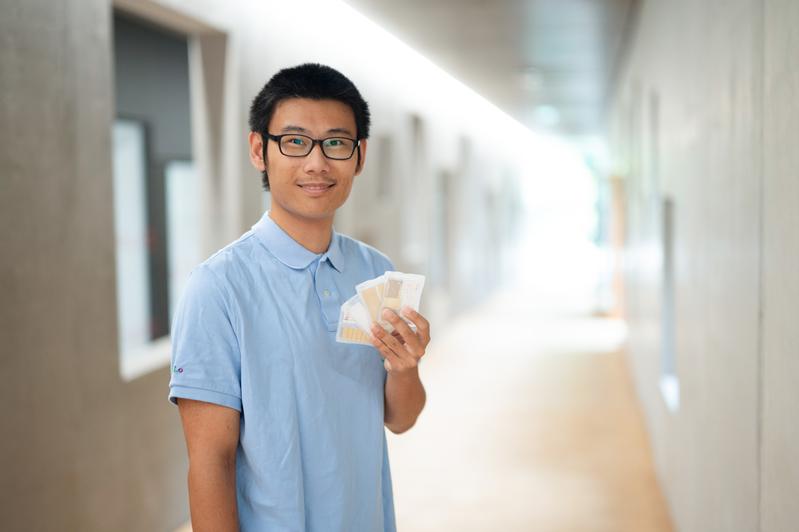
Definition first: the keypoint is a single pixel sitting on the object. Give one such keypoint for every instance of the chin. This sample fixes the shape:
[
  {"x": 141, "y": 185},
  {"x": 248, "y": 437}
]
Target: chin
[
  {"x": 314, "y": 212},
  {"x": 310, "y": 208}
]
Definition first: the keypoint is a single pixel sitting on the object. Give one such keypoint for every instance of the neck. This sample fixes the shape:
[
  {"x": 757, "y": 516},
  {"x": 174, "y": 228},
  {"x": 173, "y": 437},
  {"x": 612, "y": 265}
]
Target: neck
[{"x": 313, "y": 235}]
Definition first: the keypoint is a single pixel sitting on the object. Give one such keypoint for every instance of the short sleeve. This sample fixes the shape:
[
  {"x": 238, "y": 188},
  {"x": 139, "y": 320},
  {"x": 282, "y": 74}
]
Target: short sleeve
[
  {"x": 388, "y": 265},
  {"x": 206, "y": 361},
  {"x": 382, "y": 263}
]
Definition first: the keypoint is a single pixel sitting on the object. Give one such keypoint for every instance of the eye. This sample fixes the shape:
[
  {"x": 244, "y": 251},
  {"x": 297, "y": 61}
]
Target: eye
[{"x": 296, "y": 141}]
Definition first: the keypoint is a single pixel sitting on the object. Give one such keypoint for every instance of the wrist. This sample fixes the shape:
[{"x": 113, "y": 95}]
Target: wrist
[{"x": 406, "y": 375}]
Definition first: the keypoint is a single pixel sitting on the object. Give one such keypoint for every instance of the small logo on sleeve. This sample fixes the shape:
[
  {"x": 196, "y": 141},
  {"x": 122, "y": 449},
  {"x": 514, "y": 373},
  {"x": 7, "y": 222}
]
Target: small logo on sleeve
[{"x": 176, "y": 369}]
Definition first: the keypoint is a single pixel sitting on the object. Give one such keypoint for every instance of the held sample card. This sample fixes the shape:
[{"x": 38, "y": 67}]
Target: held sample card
[{"x": 392, "y": 290}]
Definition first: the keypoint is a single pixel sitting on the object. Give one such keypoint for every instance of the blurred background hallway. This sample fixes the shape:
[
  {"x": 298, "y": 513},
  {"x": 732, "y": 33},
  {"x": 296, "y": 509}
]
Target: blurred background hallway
[
  {"x": 531, "y": 424},
  {"x": 602, "y": 195}
]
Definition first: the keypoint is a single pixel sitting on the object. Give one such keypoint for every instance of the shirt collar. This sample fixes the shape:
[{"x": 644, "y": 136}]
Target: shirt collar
[
  {"x": 334, "y": 254},
  {"x": 289, "y": 251}
]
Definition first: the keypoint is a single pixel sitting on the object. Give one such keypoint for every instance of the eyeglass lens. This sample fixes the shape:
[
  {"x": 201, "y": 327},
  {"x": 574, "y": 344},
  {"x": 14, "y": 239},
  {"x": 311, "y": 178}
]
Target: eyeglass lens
[{"x": 333, "y": 147}]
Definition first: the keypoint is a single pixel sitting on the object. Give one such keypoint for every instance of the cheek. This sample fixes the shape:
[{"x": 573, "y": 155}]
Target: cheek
[
  {"x": 279, "y": 169},
  {"x": 346, "y": 187}
]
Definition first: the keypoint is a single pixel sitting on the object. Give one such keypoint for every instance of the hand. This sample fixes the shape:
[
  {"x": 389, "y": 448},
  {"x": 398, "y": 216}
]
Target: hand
[{"x": 403, "y": 348}]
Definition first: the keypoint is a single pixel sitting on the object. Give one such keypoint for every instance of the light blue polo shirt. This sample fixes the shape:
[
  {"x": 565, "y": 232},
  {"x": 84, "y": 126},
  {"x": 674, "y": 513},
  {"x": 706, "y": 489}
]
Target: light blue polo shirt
[{"x": 255, "y": 331}]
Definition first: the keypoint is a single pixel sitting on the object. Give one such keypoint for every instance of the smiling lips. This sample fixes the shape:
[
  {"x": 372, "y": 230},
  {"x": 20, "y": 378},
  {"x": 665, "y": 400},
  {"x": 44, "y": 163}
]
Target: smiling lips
[{"x": 316, "y": 188}]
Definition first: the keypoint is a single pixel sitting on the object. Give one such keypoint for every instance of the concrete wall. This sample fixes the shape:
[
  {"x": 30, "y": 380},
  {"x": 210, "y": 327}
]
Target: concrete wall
[
  {"x": 705, "y": 114},
  {"x": 82, "y": 449},
  {"x": 780, "y": 280}
]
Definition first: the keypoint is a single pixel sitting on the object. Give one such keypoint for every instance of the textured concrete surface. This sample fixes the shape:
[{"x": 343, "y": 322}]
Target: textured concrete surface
[
  {"x": 83, "y": 449},
  {"x": 780, "y": 448},
  {"x": 705, "y": 114}
]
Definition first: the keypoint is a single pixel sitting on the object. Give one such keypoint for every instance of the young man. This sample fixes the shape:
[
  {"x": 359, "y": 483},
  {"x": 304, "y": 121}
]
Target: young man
[{"x": 284, "y": 426}]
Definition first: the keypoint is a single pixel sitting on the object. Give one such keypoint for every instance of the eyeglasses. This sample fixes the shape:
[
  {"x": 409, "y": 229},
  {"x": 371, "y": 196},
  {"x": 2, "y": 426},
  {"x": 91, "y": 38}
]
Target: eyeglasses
[{"x": 293, "y": 145}]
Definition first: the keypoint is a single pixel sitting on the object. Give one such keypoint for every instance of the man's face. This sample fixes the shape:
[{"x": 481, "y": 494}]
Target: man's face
[{"x": 310, "y": 187}]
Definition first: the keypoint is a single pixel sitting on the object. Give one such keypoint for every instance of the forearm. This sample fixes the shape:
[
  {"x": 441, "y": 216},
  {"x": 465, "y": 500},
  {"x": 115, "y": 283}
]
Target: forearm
[
  {"x": 404, "y": 400},
  {"x": 212, "y": 495}
]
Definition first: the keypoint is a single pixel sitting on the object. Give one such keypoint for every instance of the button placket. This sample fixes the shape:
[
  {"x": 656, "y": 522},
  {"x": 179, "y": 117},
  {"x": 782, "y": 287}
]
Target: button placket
[{"x": 327, "y": 295}]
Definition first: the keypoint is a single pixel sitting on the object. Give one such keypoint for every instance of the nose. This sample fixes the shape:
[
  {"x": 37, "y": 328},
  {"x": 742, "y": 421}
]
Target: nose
[{"x": 316, "y": 162}]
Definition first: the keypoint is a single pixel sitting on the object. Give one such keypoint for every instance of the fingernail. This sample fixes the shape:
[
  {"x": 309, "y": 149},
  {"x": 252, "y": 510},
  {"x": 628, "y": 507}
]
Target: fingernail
[{"x": 387, "y": 313}]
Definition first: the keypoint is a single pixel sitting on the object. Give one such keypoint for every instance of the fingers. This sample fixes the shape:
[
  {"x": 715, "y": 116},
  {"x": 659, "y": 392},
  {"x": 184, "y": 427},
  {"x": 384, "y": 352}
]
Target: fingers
[
  {"x": 411, "y": 340},
  {"x": 379, "y": 341},
  {"x": 403, "y": 348},
  {"x": 398, "y": 336},
  {"x": 422, "y": 325},
  {"x": 389, "y": 341}
]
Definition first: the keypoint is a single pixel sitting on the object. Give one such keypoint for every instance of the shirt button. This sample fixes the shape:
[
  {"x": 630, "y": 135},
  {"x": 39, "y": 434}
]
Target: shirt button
[{"x": 326, "y": 293}]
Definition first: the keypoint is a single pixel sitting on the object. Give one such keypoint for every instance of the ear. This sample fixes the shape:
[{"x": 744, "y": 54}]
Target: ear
[
  {"x": 362, "y": 161},
  {"x": 257, "y": 151}
]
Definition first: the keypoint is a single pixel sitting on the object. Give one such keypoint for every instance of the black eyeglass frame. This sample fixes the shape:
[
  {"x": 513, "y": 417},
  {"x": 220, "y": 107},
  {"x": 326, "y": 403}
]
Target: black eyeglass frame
[{"x": 314, "y": 142}]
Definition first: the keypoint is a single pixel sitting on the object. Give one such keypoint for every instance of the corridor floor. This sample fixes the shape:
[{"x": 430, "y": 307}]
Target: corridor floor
[{"x": 531, "y": 424}]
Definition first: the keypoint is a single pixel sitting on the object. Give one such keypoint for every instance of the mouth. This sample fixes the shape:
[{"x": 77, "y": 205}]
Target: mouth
[{"x": 316, "y": 188}]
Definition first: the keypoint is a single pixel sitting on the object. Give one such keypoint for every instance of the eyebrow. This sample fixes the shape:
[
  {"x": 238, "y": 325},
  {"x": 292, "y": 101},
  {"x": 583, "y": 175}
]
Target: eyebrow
[
  {"x": 341, "y": 130},
  {"x": 294, "y": 128},
  {"x": 298, "y": 129}
]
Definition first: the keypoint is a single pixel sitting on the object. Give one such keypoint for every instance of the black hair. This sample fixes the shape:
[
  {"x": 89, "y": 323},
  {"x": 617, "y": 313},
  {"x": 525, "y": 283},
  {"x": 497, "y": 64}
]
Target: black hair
[{"x": 313, "y": 81}]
